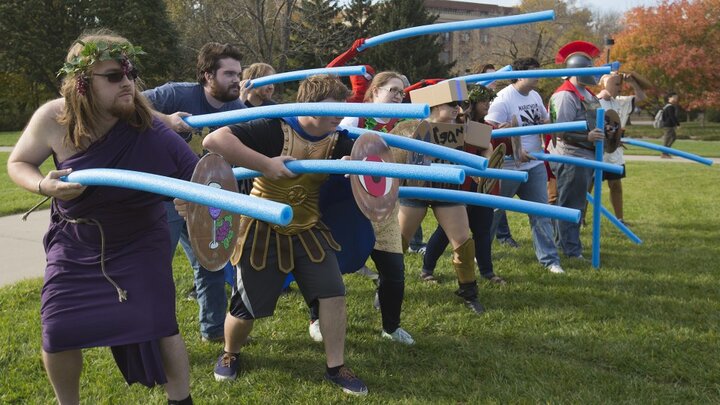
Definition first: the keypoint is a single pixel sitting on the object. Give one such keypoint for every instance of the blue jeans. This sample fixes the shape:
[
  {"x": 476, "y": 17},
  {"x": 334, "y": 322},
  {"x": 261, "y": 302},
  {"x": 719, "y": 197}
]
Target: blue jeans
[
  {"x": 535, "y": 190},
  {"x": 572, "y": 186},
  {"x": 503, "y": 228},
  {"x": 209, "y": 285},
  {"x": 417, "y": 241}
]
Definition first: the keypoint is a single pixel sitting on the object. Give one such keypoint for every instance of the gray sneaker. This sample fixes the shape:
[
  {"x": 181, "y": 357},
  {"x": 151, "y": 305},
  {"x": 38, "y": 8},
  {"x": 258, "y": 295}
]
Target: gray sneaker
[
  {"x": 400, "y": 335},
  {"x": 555, "y": 268}
]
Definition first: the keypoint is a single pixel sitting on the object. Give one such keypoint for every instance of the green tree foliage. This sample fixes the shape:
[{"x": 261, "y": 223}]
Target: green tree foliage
[
  {"x": 318, "y": 34},
  {"x": 359, "y": 16},
  {"x": 417, "y": 57},
  {"x": 37, "y": 34},
  {"x": 675, "y": 45}
]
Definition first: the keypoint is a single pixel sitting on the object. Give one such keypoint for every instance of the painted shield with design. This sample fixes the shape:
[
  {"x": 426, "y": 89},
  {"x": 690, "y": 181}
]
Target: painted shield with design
[
  {"x": 613, "y": 131},
  {"x": 375, "y": 196},
  {"x": 213, "y": 231}
]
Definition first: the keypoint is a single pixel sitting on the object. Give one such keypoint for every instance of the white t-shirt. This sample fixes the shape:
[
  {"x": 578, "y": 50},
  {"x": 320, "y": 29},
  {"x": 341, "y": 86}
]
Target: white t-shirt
[
  {"x": 623, "y": 106},
  {"x": 529, "y": 110}
]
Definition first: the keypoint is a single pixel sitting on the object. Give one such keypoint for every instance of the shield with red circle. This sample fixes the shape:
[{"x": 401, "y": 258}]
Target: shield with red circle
[
  {"x": 376, "y": 196},
  {"x": 213, "y": 231}
]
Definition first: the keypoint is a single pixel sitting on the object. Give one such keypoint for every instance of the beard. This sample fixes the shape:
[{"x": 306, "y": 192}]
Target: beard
[
  {"x": 123, "y": 111},
  {"x": 224, "y": 94}
]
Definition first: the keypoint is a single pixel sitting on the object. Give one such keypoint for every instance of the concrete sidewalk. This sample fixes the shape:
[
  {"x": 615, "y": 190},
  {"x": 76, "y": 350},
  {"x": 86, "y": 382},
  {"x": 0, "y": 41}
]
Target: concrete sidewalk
[{"x": 21, "y": 250}]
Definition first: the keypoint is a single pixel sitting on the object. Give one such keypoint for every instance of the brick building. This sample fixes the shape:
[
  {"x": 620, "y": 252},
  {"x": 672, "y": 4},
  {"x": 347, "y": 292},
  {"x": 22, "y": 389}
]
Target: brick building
[{"x": 467, "y": 48}]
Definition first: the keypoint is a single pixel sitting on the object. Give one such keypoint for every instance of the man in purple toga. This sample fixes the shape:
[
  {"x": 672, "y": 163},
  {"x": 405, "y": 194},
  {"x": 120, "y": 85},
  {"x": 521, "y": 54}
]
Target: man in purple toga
[{"x": 108, "y": 280}]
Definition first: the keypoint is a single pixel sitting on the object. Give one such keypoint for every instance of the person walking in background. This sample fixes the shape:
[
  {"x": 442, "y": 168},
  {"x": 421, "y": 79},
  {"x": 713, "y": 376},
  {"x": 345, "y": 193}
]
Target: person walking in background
[{"x": 670, "y": 121}]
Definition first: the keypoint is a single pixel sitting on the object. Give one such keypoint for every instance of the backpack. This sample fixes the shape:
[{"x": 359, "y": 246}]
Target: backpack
[{"x": 658, "y": 121}]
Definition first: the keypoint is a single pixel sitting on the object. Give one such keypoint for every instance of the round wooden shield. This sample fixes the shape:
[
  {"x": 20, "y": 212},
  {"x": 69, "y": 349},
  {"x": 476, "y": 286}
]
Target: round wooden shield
[
  {"x": 213, "y": 232},
  {"x": 496, "y": 161},
  {"x": 613, "y": 131},
  {"x": 375, "y": 196}
]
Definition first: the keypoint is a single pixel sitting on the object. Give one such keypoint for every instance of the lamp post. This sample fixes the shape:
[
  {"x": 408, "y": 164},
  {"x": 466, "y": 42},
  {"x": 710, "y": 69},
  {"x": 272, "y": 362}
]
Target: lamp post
[{"x": 609, "y": 42}]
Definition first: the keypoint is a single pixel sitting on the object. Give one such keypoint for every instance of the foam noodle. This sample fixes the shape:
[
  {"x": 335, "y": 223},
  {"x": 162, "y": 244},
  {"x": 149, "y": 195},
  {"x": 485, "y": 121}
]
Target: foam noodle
[
  {"x": 493, "y": 201},
  {"x": 616, "y": 222},
  {"x": 571, "y": 126},
  {"x": 669, "y": 151},
  {"x": 599, "y": 148},
  {"x": 259, "y": 208},
  {"x": 514, "y": 175},
  {"x": 394, "y": 170},
  {"x": 427, "y": 148},
  {"x": 458, "y": 26},
  {"x": 606, "y": 167},
  {"x": 303, "y": 74},
  {"x": 535, "y": 74},
  {"x": 506, "y": 68},
  {"x": 379, "y": 110}
]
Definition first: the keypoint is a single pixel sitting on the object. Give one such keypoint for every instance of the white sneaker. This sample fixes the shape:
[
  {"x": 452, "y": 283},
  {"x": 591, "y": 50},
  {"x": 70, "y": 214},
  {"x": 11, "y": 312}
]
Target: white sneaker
[
  {"x": 400, "y": 335},
  {"x": 556, "y": 269},
  {"x": 314, "y": 330}
]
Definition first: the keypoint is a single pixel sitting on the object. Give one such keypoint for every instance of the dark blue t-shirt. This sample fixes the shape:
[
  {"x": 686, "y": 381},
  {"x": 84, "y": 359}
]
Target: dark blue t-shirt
[{"x": 172, "y": 97}]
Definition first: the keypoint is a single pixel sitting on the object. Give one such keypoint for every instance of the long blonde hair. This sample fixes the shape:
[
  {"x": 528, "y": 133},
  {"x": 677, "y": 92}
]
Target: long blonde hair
[{"x": 81, "y": 113}]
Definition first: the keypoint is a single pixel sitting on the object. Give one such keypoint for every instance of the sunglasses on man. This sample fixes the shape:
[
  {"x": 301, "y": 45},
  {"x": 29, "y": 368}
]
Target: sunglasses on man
[{"x": 116, "y": 77}]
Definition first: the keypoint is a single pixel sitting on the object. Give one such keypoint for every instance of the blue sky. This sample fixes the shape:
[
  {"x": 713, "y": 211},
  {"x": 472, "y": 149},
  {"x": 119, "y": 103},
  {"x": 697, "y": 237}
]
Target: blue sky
[{"x": 603, "y": 5}]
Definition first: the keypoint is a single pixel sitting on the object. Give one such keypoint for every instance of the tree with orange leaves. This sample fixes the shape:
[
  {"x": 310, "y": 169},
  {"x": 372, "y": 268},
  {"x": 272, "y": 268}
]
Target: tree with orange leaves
[{"x": 676, "y": 45}]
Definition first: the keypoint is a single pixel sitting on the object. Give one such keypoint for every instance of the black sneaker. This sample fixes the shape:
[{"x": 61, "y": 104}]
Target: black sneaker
[
  {"x": 348, "y": 382},
  {"x": 226, "y": 367},
  {"x": 428, "y": 277},
  {"x": 475, "y": 306},
  {"x": 509, "y": 242}
]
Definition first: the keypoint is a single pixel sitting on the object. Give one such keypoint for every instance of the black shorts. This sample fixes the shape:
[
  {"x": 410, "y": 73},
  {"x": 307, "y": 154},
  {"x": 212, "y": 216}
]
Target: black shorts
[
  {"x": 613, "y": 176},
  {"x": 257, "y": 291},
  {"x": 414, "y": 203}
]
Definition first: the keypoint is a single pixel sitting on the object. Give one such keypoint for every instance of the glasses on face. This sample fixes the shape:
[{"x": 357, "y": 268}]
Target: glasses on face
[
  {"x": 394, "y": 92},
  {"x": 462, "y": 104},
  {"x": 116, "y": 77}
]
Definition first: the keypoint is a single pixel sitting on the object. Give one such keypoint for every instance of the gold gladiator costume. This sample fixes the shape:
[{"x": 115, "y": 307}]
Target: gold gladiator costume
[{"x": 302, "y": 194}]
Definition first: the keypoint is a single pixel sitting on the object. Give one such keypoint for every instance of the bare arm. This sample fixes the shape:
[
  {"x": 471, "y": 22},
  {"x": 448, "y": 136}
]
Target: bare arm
[
  {"x": 35, "y": 145},
  {"x": 174, "y": 121},
  {"x": 235, "y": 152},
  {"x": 639, "y": 93}
]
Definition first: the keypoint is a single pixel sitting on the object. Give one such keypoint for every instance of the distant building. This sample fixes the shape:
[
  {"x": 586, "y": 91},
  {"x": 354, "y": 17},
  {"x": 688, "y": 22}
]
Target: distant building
[{"x": 467, "y": 48}]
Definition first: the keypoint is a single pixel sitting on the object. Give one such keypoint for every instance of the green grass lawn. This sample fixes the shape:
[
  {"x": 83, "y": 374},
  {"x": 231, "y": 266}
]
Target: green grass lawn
[
  {"x": 9, "y": 138},
  {"x": 643, "y": 329},
  {"x": 15, "y": 199},
  {"x": 687, "y": 130}
]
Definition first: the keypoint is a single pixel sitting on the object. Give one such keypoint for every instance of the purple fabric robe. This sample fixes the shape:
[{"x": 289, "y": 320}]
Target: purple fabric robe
[{"x": 80, "y": 307}]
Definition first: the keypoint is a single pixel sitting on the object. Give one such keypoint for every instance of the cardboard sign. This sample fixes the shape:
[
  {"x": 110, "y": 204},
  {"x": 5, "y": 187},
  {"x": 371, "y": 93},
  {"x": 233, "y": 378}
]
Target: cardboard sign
[
  {"x": 441, "y": 93},
  {"x": 478, "y": 134}
]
